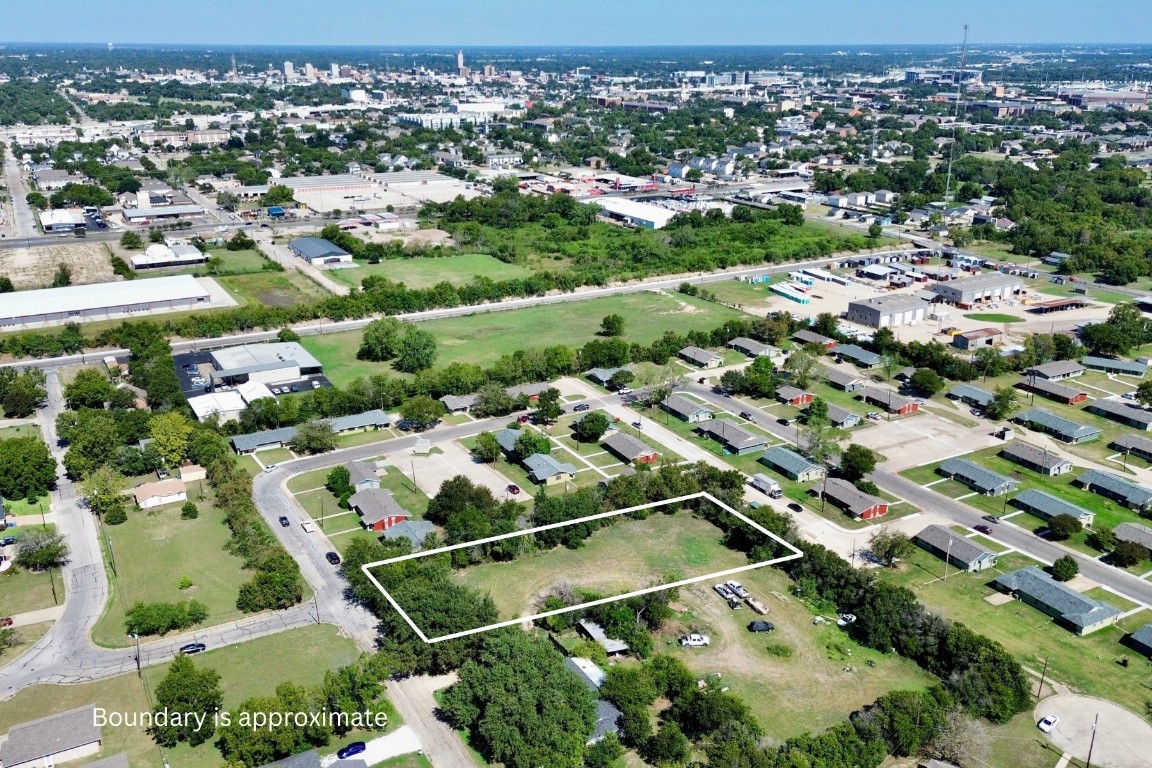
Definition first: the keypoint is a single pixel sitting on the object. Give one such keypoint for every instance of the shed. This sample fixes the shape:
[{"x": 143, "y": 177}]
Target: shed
[{"x": 595, "y": 632}]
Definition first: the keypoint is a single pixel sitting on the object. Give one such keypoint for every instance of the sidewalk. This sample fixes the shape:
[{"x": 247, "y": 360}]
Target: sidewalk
[{"x": 36, "y": 617}]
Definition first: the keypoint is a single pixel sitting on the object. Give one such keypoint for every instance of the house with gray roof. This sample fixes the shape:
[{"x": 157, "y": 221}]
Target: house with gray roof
[
  {"x": 507, "y": 438},
  {"x": 531, "y": 390},
  {"x": 118, "y": 760},
  {"x": 275, "y": 438},
  {"x": 1108, "y": 365},
  {"x": 52, "y": 740},
  {"x": 1135, "y": 533},
  {"x": 793, "y": 396},
  {"x": 701, "y": 357},
  {"x": 596, "y": 633},
  {"x": 1061, "y": 393},
  {"x": 1036, "y": 459},
  {"x": 976, "y": 477},
  {"x": 377, "y": 509},
  {"x": 857, "y": 355},
  {"x": 842, "y": 418},
  {"x": 1043, "y": 420},
  {"x": 845, "y": 380},
  {"x": 1074, "y": 611},
  {"x": 607, "y": 715},
  {"x": 1056, "y": 370},
  {"x": 1117, "y": 488},
  {"x": 791, "y": 464},
  {"x": 1135, "y": 445},
  {"x": 732, "y": 436},
  {"x": 309, "y": 759},
  {"x": 630, "y": 449},
  {"x": 686, "y": 409},
  {"x": 459, "y": 403},
  {"x": 416, "y": 531},
  {"x": 1140, "y": 640},
  {"x": 889, "y": 400},
  {"x": 970, "y": 395},
  {"x": 1120, "y": 411},
  {"x": 1046, "y": 506},
  {"x": 804, "y": 338},
  {"x": 545, "y": 469},
  {"x": 955, "y": 548},
  {"x": 753, "y": 348},
  {"x": 362, "y": 475},
  {"x": 860, "y": 505},
  {"x": 602, "y": 376}
]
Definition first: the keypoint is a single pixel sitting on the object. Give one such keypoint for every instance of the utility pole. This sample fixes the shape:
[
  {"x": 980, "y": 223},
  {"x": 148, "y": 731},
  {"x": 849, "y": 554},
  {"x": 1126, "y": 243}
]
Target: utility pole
[
  {"x": 136, "y": 637},
  {"x": 52, "y": 581},
  {"x": 1043, "y": 674},
  {"x": 947, "y": 559},
  {"x": 1092, "y": 743}
]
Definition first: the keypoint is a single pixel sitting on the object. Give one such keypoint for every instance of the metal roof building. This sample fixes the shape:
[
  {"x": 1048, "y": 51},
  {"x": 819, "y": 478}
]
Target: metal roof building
[
  {"x": 1075, "y": 611},
  {"x": 1136, "y": 533},
  {"x": 1136, "y": 445},
  {"x": 791, "y": 464},
  {"x": 1043, "y": 420},
  {"x": 888, "y": 310},
  {"x": 977, "y": 477},
  {"x": 1046, "y": 506},
  {"x": 102, "y": 301},
  {"x": 1107, "y": 484},
  {"x": 1056, "y": 370},
  {"x": 966, "y": 393},
  {"x": 1037, "y": 459},
  {"x": 969, "y": 290},
  {"x": 858, "y": 355},
  {"x": 162, "y": 212},
  {"x": 317, "y": 249}
]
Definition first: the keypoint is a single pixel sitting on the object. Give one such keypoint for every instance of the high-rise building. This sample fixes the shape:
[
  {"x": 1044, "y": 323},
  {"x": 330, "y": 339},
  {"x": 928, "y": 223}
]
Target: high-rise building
[
  {"x": 335, "y": 70},
  {"x": 309, "y": 71},
  {"x": 489, "y": 70},
  {"x": 289, "y": 70},
  {"x": 459, "y": 60}
]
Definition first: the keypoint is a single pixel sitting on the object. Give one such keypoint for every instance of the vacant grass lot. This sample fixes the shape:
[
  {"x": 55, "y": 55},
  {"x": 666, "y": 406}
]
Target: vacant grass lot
[
  {"x": 22, "y": 591},
  {"x": 427, "y": 272},
  {"x": 153, "y": 552},
  {"x": 482, "y": 338},
  {"x": 1087, "y": 664},
  {"x": 26, "y": 637},
  {"x": 246, "y": 670},
  {"x": 273, "y": 289},
  {"x": 20, "y": 430},
  {"x": 629, "y": 555},
  {"x": 994, "y": 317}
]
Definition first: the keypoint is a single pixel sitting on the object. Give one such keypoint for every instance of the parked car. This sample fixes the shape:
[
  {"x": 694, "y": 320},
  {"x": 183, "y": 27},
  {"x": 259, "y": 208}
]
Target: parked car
[
  {"x": 723, "y": 591},
  {"x": 747, "y": 415},
  {"x": 581, "y": 407},
  {"x": 784, "y": 422},
  {"x": 756, "y": 605},
  {"x": 846, "y": 619},
  {"x": 193, "y": 648},
  {"x": 738, "y": 589},
  {"x": 352, "y": 749},
  {"x": 991, "y": 518},
  {"x": 315, "y": 384},
  {"x": 977, "y": 412},
  {"x": 735, "y": 604},
  {"x": 1047, "y": 724},
  {"x": 513, "y": 489},
  {"x": 523, "y": 419},
  {"x": 284, "y": 521},
  {"x": 332, "y": 557},
  {"x": 275, "y": 390},
  {"x": 874, "y": 415},
  {"x": 984, "y": 530},
  {"x": 695, "y": 641},
  {"x": 795, "y": 507},
  {"x": 295, "y": 387},
  {"x": 761, "y": 626},
  {"x": 7, "y": 540}
]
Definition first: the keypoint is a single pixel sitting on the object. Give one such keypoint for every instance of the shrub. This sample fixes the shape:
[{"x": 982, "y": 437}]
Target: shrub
[
  {"x": 160, "y": 618},
  {"x": 1062, "y": 527},
  {"x": 189, "y": 511},
  {"x": 1065, "y": 568},
  {"x": 185, "y": 583},
  {"x": 779, "y": 650},
  {"x": 116, "y": 515}
]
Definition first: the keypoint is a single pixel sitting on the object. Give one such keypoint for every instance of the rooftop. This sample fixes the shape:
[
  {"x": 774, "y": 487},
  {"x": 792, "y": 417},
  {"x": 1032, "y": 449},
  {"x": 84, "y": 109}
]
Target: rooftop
[
  {"x": 976, "y": 475},
  {"x": 859, "y": 354},
  {"x": 543, "y": 466},
  {"x": 1056, "y": 368},
  {"x": 1141, "y": 534},
  {"x": 1027, "y": 453},
  {"x": 1122, "y": 410},
  {"x": 851, "y": 498},
  {"x": 49, "y": 735},
  {"x": 731, "y": 433},
  {"x": 272, "y": 353},
  {"x": 1057, "y": 424},
  {"x": 1076, "y": 609},
  {"x": 628, "y": 446},
  {"x": 893, "y": 302},
  {"x": 974, "y": 394},
  {"x": 682, "y": 406},
  {"x": 1135, "y": 494},
  {"x": 789, "y": 460},
  {"x": 85, "y": 298},
  {"x": 955, "y": 544},
  {"x": 1049, "y": 505},
  {"x": 315, "y": 248}
]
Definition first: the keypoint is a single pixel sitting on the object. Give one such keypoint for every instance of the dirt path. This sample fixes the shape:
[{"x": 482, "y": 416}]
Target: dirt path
[{"x": 414, "y": 700}]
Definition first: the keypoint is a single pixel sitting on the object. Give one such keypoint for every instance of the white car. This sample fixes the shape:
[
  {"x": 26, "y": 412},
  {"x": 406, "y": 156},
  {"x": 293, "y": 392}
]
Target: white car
[
  {"x": 1048, "y": 723},
  {"x": 695, "y": 641},
  {"x": 737, "y": 589}
]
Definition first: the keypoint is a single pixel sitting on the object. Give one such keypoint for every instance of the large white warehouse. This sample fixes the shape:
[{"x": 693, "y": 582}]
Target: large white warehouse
[{"x": 102, "y": 301}]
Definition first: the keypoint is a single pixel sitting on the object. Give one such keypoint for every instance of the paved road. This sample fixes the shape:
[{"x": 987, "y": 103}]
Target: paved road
[
  {"x": 21, "y": 225},
  {"x": 414, "y": 700}
]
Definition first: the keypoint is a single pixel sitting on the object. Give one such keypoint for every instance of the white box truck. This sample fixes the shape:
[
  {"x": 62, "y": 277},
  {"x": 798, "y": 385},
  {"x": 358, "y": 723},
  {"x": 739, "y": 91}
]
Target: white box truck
[{"x": 767, "y": 485}]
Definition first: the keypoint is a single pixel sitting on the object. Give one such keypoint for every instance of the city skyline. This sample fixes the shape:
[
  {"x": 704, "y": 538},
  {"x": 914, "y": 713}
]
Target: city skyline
[{"x": 593, "y": 23}]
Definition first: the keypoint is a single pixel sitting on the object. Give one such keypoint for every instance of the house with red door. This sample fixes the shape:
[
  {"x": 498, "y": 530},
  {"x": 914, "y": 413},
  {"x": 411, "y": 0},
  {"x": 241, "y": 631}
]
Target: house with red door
[
  {"x": 860, "y": 505},
  {"x": 794, "y": 396},
  {"x": 377, "y": 509}
]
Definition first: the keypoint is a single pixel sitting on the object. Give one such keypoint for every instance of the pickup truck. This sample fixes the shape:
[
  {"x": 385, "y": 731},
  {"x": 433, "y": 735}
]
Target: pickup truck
[
  {"x": 308, "y": 526},
  {"x": 695, "y": 641}
]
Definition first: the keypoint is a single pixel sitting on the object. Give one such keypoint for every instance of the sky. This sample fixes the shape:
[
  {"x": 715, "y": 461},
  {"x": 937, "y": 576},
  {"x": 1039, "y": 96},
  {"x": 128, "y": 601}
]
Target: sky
[{"x": 575, "y": 22}]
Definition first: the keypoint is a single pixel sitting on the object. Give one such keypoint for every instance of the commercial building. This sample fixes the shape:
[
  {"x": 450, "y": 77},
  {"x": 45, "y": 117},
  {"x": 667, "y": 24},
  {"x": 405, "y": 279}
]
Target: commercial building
[
  {"x": 1036, "y": 459},
  {"x": 227, "y": 404},
  {"x": 138, "y": 215},
  {"x": 316, "y": 250},
  {"x": 791, "y": 464},
  {"x": 955, "y": 549},
  {"x": 61, "y": 220},
  {"x": 1122, "y": 412},
  {"x": 150, "y": 495},
  {"x": 53, "y": 740},
  {"x": 1043, "y": 420},
  {"x": 272, "y": 363},
  {"x": 636, "y": 214},
  {"x": 160, "y": 256},
  {"x": 982, "y": 337},
  {"x": 1074, "y": 611},
  {"x": 1046, "y": 506},
  {"x": 860, "y": 505},
  {"x": 102, "y": 301},
  {"x": 887, "y": 311},
  {"x": 991, "y": 286}
]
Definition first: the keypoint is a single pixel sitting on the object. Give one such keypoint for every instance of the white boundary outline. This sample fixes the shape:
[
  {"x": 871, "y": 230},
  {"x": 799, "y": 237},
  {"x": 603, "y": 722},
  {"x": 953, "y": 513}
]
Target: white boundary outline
[{"x": 796, "y": 553}]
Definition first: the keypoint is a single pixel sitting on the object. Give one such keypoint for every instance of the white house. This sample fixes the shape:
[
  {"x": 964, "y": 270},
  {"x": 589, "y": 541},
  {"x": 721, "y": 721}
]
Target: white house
[{"x": 150, "y": 495}]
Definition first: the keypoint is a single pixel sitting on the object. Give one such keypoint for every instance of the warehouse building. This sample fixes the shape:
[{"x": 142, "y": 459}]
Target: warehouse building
[
  {"x": 271, "y": 363},
  {"x": 159, "y": 256},
  {"x": 61, "y": 220},
  {"x": 139, "y": 215},
  {"x": 887, "y": 311},
  {"x": 641, "y": 215},
  {"x": 102, "y": 301},
  {"x": 316, "y": 250},
  {"x": 991, "y": 286}
]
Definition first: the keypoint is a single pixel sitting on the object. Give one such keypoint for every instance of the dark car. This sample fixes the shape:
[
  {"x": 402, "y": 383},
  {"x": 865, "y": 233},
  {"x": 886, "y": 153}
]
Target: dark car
[
  {"x": 354, "y": 748},
  {"x": 581, "y": 407},
  {"x": 984, "y": 529},
  {"x": 7, "y": 540},
  {"x": 991, "y": 518},
  {"x": 332, "y": 557},
  {"x": 748, "y": 416},
  {"x": 284, "y": 522},
  {"x": 795, "y": 507},
  {"x": 784, "y": 422},
  {"x": 193, "y": 648},
  {"x": 513, "y": 489},
  {"x": 760, "y": 626}
]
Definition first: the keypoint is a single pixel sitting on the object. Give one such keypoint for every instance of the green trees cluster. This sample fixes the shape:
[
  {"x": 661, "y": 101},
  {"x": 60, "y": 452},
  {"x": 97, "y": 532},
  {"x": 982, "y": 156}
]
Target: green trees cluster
[
  {"x": 468, "y": 512},
  {"x": 21, "y": 392},
  {"x": 1126, "y": 328},
  {"x": 412, "y": 348},
  {"x": 160, "y": 617},
  {"x": 27, "y": 468},
  {"x": 32, "y": 102},
  {"x": 39, "y": 550},
  {"x": 192, "y": 692}
]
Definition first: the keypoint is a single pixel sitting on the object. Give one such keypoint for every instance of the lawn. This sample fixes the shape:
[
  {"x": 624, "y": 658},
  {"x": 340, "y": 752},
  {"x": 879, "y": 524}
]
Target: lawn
[
  {"x": 26, "y": 637},
  {"x": 246, "y": 670},
  {"x": 22, "y": 591},
  {"x": 742, "y": 294},
  {"x": 1087, "y": 664},
  {"x": 20, "y": 430},
  {"x": 994, "y": 317},
  {"x": 271, "y": 456},
  {"x": 154, "y": 550},
  {"x": 482, "y": 338},
  {"x": 239, "y": 262},
  {"x": 629, "y": 555},
  {"x": 427, "y": 272},
  {"x": 273, "y": 289}
]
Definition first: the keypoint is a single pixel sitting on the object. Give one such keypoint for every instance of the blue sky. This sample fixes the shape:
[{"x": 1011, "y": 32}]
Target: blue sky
[{"x": 576, "y": 22}]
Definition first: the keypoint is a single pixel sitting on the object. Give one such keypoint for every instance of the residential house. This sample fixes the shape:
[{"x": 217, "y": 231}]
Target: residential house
[
  {"x": 1117, "y": 488},
  {"x": 1043, "y": 420},
  {"x": 377, "y": 509},
  {"x": 889, "y": 400},
  {"x": 955, "y": 549},
  {"x": 1036, "y": 459},
  {"x": 602, "y": 376},
  {"x": 842, "y": 418},
  {"x": 507, "y": 439},
  {"x": 804, "y": 338},
  {"x": 1056, "y": 370},
  {"x": 1046, "y": 506},
  {"x": 753, "y": 348},
  {"x": 607, "y": 715},
  {"x": 1075, "y": 611},
  {"x": 1140, "y": 640},
  {"x": 459, "y": 403},
  {"x": 309, "y": 759},
  {"x": 845, "y": 380},
  {"x": 416, "y": 531},
  {"x": 52, "y": 740},
  {"x": 1108, "y": 365},
  {"x": 275, "y": 438},
  {"x": 793, "y": 396},
  {"x": 977, "y": 477},
  {"x": 362, "y": 475},
  {"x": 732, "y": 436},
  {"x": 1134, "y": 533},
  {"x": 701, "y": 357},
  {"x": 970, "y": 395},
  {"x": 596, "y": 633},
  {"x": 545, "y": 469},
  {"x": 630, "y": 449},
  {"x": 1134, "y": 445},
  {"x": 151, "y": 495},
  {"x": 860, "y": 505},
  {"x": 1053, "y": 391},
  {"x": 858, "y": 356},
  {"x": 791, "y": 464},
  {"x": 685, "y": 409},
  {"x": 1122, "y": 412}
]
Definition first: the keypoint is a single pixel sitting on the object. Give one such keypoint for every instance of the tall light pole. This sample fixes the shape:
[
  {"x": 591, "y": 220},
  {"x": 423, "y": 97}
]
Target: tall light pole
[{"x": 1043, "y": 674}]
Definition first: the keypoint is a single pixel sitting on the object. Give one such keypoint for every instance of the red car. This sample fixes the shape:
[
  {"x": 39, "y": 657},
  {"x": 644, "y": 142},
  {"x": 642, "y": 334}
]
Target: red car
[
  {"x": 523, "y": 419},
  {"x": 984, "y": 529},
  {"x": 513, "y": 489}
]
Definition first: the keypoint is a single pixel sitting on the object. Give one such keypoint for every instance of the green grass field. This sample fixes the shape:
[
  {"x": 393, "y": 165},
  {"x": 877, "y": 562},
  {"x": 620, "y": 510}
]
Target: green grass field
[
  {"x": 620, "y": 558},
  {"x": 482, "y": 338},
  {"x": 20, "y": 430},
  {"x": 26, "y": 637},
  {"x": 238, "y": 262},
  {"x": 273, "y": 289},
  {"x": 154, "y": 551},
  {"x": 249, "y": 669},
  {"x": 994, "y": 317},
  {"x": 22, "y": 591},
  {"x": 427, "y": 272}
]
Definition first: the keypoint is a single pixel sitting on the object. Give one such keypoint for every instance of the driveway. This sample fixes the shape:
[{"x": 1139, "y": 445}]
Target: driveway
[
  {"x": 402, "y": 741},
  {"x": 1123, "y": 738},
  {"x": 414, "y": 700}
]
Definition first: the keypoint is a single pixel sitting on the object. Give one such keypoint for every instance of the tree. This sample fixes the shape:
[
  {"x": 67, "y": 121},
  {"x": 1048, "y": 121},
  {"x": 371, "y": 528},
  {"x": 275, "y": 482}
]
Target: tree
[
  {"x": 493, "y": 400},
  {"x": 190, "y": 692},
  {"x": 37, "y": 200},
  {"x": 6, "y": 284},
  {"x": 62, "y": 278},
  {"x": 856, "y": 462},
  {"x": 530, "y": 443},
  {"x": 668, "y": 746},
  {"x": 131, "y": 241},
  {"x": 890, "y": 546},
  {"x": 820, "y": 441},
  {"x": 40, "y": 550},
  {"x": 27, "y": 468},
  {"x": 286, "y": 335},
  {"x": 612, "y": 325},
  {"x": 170, "y": 434},
  {"x": 278, "y": 194},
  {"x": 416, "y": 352},
  {"x": 487, "y": 448},
  {"x": 1063, "y": 527},
  {"x": 621, "y": 379},
  {"x": 313, "y": 437},
  {"x": 380, "y": 339},
  {"x": 1102, "y": 538},
  {"x": 592, "y": 427},
  {"x": 422, "y": 411},
  {"x": 816, "y": 412},
  {"x": 1065, "y": 568},
  {"x": 189, "y": 511},
  {"x": 339, "y": 481},
  {"x": 927, "y": 382},
  {"x": 1144, "y": 392},
  {"x": 801, "y": 365},
  {"x": 19, "y": 403},
  {"x": 90, "y": 389},
  {"x": 155, "y": 236},
  {"x": 989, "y": 361},
  {"x": 875, "y": 231},
  {"x": 548, "y": 407},
  {"x": 890, "y": 365},
  {"x": 1126, "y": 554},
  {"x": 101, "y": 491},
  {"x": 1002, "y": 405}
]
